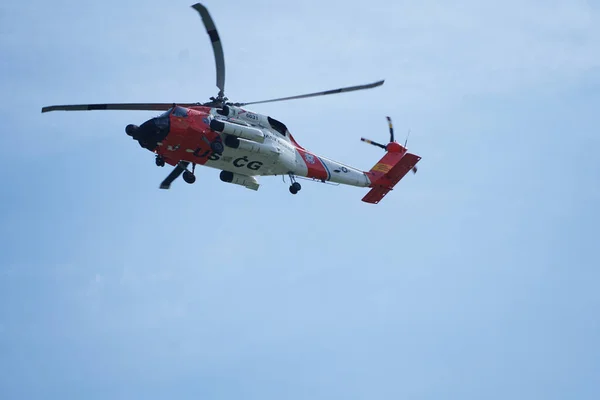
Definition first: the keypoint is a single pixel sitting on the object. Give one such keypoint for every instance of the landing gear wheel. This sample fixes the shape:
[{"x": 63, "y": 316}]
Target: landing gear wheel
[
  {"x": 295, "y": 188},
  {"x": 160, "y": 162},
  {"x": 189, "y": 177},
  {"x": 217, "y": 147}
]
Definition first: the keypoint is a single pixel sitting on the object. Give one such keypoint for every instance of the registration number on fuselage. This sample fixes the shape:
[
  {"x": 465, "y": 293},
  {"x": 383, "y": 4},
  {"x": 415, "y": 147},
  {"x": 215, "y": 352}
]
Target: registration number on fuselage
[{"x": 238, "y": 162}]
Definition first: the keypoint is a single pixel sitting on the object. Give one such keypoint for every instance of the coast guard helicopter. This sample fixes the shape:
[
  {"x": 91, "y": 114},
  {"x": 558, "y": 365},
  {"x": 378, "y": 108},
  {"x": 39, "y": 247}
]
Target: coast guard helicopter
[{"x": 243, "y": 144}]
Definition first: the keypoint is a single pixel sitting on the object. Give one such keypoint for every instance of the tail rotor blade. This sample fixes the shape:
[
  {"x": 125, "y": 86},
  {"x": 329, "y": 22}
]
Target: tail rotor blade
[
  {"x": 391, "y": 129},
  {"x": 323, "y": 93},
  {"x": 374, "y": 143},
  {"x": 215, "y": 40}
]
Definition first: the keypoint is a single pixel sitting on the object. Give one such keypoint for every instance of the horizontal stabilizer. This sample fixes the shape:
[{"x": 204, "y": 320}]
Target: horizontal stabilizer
[{"x": 386, "y": 182}]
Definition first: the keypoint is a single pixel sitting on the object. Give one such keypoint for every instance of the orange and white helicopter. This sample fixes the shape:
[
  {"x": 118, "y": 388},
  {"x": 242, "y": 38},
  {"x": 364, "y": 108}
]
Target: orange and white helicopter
[{"x": 243, "y": 144}]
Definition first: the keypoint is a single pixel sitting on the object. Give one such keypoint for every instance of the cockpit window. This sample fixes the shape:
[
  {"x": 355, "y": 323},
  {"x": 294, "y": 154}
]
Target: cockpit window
[
  {"x": 166, "y": 113},
  {"x": 180, "y": 112},
  {"x": 277, "y": 125}
]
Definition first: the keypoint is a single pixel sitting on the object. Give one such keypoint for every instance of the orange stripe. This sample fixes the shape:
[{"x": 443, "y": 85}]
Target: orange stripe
[{"x": 379, "y": 167}]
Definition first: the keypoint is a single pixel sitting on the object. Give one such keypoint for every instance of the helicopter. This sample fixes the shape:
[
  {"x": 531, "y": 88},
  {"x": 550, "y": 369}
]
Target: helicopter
[{"x": 245, "y": 145}]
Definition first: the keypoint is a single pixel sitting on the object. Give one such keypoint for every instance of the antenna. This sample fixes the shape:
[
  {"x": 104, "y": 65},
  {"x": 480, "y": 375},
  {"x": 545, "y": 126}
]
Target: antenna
[{"x": 406, "y": 141}]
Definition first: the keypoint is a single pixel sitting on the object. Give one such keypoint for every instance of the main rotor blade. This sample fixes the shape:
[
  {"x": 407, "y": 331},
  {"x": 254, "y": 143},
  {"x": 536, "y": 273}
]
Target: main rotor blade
[
  {"x": 215, "y": 40},
  {"x": 116, "y": 106},
  {"x": 324, "y": 93}
]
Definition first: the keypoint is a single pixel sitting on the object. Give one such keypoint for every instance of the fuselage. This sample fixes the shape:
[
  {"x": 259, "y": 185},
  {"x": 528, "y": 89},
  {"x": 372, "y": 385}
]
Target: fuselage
[{"x": 265, "y": 147}]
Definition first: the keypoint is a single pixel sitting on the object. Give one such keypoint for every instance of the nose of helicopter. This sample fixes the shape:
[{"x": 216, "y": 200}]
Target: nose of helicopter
[{"x": 150, "y": 132}]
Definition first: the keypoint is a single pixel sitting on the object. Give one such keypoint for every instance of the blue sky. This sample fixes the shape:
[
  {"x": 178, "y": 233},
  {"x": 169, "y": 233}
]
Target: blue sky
[{"x": 475, "y": 278}]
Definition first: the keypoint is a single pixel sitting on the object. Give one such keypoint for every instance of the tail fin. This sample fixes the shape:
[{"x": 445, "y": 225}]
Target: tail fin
[{"x": 384, "y": 175}]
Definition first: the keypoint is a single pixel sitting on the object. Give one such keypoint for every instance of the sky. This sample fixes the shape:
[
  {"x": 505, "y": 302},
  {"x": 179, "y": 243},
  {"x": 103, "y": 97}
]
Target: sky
[{"x": 475, "y": 278}]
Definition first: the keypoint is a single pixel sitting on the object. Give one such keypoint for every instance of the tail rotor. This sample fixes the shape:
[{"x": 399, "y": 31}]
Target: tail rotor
[
  {"x": 392, "y": 146},
  {"x": 374, "y": 143}
]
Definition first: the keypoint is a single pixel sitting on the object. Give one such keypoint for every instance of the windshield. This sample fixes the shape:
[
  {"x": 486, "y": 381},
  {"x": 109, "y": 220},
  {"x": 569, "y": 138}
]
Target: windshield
[
  {"x": 180, "y": 112},
  {"x": 177, "y": 112},
  {"x": 277, "y": 125},
  {"x": 166, "y": 113}
]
